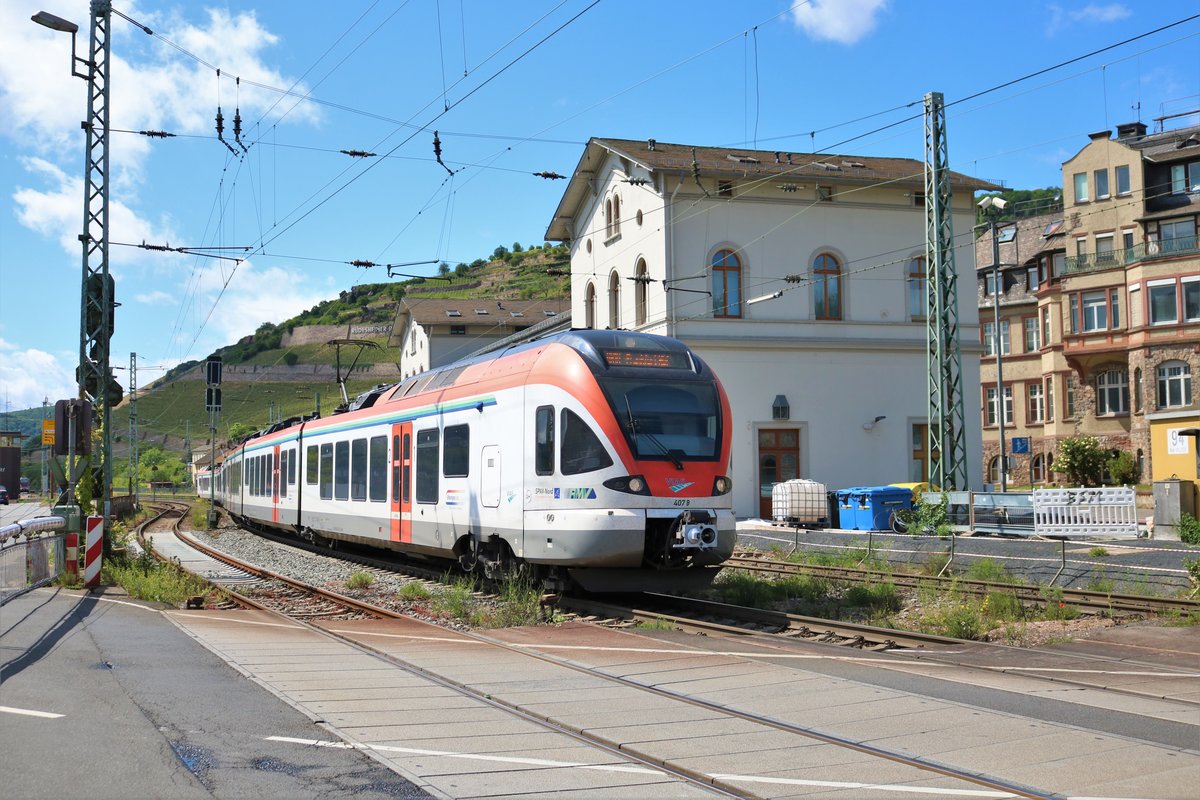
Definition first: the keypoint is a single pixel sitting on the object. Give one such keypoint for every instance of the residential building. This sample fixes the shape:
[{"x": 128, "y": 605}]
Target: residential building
[
  {"x": 431, "y": 332},
  {"x": 1100, "y": 307},
  {"x": 800, "y": 278}
]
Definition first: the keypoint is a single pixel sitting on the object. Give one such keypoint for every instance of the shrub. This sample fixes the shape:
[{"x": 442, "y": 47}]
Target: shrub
[
  {"x": 1122, "y": 469},
  {"x": 1080, "y": 459},
  {"x": 290, "y": 358},
  {"x": 963, "y": 622},
  {"x": 1098, "y": 552},
  {"x": 360, "y": 580},
  {"x": 989, "y": 571},
  {"x": 1189, "y": 529}
]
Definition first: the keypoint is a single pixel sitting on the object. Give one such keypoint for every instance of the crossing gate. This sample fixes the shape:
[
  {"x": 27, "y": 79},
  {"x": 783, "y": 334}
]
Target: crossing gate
[{"x": 1110, "y": 512}]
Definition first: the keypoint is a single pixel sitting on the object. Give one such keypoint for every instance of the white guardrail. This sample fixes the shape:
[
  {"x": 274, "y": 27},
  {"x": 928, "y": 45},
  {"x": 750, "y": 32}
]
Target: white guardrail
[
  {"x": 28, "y": 526},
  {"x": 32, "y": 562},
  {"x": 1110, "y": 511}
]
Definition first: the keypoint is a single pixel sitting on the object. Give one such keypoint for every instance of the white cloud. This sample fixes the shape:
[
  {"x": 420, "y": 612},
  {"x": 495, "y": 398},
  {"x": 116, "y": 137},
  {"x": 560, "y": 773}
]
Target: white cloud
[
  {"x": 842, "y": 21},
  {"x": 154, "y": 298},
  {"x": 28, "y": 376},
  {"x": 1091, "y": 13}
]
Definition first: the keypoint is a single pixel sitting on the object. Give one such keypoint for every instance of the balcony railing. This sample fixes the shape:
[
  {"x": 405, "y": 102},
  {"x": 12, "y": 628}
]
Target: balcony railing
[{"x": 1147, "y": 251}]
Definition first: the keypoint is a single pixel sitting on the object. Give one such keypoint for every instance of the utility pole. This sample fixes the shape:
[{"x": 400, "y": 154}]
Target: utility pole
[
  {"x": 187, "y": 444},
  {"x": 944, "y": 359},
  {"x": 133, "y": 429},
  {"x": 213, "y": 403},
  {"x": 45, "y": 468}
]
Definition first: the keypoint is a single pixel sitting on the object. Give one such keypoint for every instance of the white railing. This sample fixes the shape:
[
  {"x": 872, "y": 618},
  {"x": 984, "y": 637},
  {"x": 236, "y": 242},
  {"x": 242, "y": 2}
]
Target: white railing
[
  {"x": 1110, "y": 511},
  {"x": 33, "y": 562}
]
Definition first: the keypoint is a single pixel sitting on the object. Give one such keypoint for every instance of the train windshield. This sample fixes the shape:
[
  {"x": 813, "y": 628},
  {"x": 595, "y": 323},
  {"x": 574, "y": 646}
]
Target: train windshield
[{"x": 676, "y": 422}]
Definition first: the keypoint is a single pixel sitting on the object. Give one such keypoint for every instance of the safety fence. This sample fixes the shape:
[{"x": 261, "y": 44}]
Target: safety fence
[
  {"x": 28, "y": 557},
  {"x": 1108, "y": 512}
]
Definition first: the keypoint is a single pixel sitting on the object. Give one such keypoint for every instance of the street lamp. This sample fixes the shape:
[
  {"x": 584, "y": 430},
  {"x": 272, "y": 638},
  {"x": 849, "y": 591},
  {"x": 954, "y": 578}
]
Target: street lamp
[{"x": 992, "y": 207}]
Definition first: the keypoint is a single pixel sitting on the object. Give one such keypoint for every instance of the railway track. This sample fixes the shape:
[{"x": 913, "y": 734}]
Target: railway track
[{"x": 1027, "y": 594}]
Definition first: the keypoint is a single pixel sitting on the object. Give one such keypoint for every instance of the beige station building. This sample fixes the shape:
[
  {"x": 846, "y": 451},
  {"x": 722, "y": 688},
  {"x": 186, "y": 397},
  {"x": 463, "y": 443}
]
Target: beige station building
[{"x": 1099, "y": 307}]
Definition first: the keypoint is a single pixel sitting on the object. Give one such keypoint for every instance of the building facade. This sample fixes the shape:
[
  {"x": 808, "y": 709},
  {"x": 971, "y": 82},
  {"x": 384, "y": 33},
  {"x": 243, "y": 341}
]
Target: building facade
[
  {"x": 799, "y": 278},
  {"x": 1099, "y": 308}
]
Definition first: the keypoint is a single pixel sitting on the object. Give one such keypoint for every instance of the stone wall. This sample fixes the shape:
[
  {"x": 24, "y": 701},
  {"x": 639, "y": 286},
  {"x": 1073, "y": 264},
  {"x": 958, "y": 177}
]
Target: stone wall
[
  {"x": 301, "y": 373},
  {"x": 320, "y": 334}
]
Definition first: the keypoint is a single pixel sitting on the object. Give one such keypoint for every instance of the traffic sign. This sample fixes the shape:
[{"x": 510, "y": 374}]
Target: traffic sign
[
  {"x": 1020, "y": 445},
  {"x": 47, "y": 431}
]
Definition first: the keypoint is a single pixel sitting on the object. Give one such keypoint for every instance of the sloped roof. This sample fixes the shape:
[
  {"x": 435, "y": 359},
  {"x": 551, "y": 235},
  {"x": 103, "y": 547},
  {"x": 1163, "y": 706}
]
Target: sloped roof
[
  {"x": 464, "y": 312},
  {"x": 740, "y": 162}
]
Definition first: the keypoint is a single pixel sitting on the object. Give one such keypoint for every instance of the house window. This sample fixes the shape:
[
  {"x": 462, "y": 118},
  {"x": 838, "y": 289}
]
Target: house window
[
  {"x": 1122, "y": 172},
  {"x": 990, "y": 406},
  {"x": 825, "y": 194},
  {"x": 989, "y": 338},
  {"x": 1112, "y": 392},
  {"x": 1164, "y": 309},
  {"x": 1101, "y": 176},
  {"x": 1174, "y": 384},
  {"x": 589, "y": 306},
  {"x": 1037, "y": 468},
  {"x": 916, "y": 288},
  {"x": 1096, "y": 311},
  {"x": 1137, "y": 390},
  {"x": 724, "y": 188},
  {"x": 1049, "y": 398},
  {"x": 1031, "y": 279},
  {"x": 1058, "y": 263},
  {"x": 1191, "y": 298},
  {"x": 1185, "y": 178},
  {"x": 1177, "y": 235},
  {"x": 1046, "y": 326},
  {"x": 994, "y": 470},
  {"x": 1035, "y": 402},
  {"x": 614, "y": 300},
  {"x": 458, "y": 330},
  {"x": 608, "y": 218},
  {"x": 1031, "y": 335},
  {"x": 1104, "y": 250},
  {"x": 616, "y": 215},
  {"x": 1081, "y": 187},
  {"x": 1127, "y": 244},
  {"x": 990, "y": 282},
  {"x": 1070, "y": 399},
  {"x": 640, "y": 284},
  {"x": 827, "y": 279},
  {"x": 726, "y": 284}
]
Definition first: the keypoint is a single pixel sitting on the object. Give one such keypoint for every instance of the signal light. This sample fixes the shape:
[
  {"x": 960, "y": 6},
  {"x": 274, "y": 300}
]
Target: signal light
[{"x": 629, "y": 484}]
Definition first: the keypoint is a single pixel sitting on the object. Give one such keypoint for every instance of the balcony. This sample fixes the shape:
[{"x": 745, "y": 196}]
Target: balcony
[{"x": 1147, "y": 251}]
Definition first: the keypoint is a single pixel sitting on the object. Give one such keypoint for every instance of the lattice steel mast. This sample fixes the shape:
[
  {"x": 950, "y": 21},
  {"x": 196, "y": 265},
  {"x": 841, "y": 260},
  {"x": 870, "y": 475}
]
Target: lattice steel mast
[{"x": 946, "y": 434}]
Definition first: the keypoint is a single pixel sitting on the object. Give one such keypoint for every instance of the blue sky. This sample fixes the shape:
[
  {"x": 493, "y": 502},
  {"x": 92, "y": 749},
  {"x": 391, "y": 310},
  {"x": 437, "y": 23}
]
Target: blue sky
[{"x": 378, "y": 76}]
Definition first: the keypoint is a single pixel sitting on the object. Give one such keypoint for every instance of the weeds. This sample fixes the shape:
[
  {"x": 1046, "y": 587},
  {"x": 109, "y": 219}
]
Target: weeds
[
  {"x": 1055, "y": 608},
  {"x": 199, "y": 515},
  {"x": 148, "y": 579},
  {"x": 414, "y": 590},
  {"x": 1098, "y": 552},
  {"x": 360, "y": 580},
  {"x": 656, "y": 624},
  {"x": 936, "y": 563},
  {"x": 989, "y": 571},
  {"x": 1189, "y": 529},
  {"x": 1102, "y": 585}
]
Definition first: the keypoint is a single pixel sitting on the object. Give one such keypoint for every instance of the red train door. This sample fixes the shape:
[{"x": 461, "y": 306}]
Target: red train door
[
  {"x": 275, "y": 484},
  {"x": 401, "y": 501}
]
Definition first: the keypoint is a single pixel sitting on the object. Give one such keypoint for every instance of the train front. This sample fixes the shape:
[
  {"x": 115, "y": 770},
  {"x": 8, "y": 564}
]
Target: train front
[{"x": 668, "y": 517}]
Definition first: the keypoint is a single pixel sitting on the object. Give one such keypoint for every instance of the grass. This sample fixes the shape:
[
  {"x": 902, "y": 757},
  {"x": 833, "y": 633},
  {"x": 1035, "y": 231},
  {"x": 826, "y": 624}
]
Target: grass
[
  {"x": 199, "y": 515},
  {"x": 656, "y": 624},
  {"x": 414, "y": 591},
  {"x": 989, "y": 571},
  {"x": 145, "y": 578},
  {"x": 1098, "y": 552},
  {"x": 360, "y": 580}
]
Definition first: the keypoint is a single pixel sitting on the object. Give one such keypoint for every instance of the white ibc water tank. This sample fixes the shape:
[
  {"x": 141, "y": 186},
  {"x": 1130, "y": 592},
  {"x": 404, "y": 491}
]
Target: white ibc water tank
[{"x": 799, "y": 502}]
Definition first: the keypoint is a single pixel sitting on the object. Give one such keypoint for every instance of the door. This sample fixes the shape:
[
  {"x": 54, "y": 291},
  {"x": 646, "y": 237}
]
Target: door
[
  {"x": 778, "y": 461},
  {"x": 489, "y": 477},
  {"x": 401, "y": 501},
  {"x": 921, "y": 465}
]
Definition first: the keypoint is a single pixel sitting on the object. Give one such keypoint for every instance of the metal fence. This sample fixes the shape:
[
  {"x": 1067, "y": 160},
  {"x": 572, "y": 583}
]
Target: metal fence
[
  {"x": 32, "y": 554},
  {"x": 1109, "y": 512}
]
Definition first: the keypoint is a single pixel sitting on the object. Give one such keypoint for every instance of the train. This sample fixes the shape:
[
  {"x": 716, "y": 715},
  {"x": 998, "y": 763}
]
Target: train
[{"x": 596, "y": 459}]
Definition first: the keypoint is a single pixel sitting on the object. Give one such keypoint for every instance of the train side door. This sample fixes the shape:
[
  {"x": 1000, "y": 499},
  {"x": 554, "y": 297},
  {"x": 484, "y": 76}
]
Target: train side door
[
  {"x": 275, "y": 484},
  {"x": 489, "y": 478},
  {"x": 401, "y": 500}
]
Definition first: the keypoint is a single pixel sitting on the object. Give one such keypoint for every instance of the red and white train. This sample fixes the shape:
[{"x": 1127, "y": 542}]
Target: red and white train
[{"x": 597, "y": 458}]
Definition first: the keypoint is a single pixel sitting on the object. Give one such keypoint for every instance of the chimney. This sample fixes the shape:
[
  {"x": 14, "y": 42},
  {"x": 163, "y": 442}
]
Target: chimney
[
  {"x": 1098, "y": 135},
  {"x": 1131, "y": 130},
  {"x": 650, "y": 144}
]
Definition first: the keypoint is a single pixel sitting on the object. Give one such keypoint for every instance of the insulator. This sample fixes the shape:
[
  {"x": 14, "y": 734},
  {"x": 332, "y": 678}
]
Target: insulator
[{"x": 358, "y": 262}]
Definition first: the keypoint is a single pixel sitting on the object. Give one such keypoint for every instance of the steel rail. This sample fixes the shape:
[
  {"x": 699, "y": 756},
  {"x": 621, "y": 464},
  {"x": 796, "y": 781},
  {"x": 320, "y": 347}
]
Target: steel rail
[
  {"x": 691, "y": 776},
  {"x": 1077, "y": 597}
]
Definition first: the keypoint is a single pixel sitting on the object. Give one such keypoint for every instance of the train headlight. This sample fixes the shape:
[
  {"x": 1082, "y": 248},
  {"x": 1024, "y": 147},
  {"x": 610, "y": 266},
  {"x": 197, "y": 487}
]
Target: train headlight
[
  {"x": 721, "y": 485},
  {"x": 630, "y": 484}
]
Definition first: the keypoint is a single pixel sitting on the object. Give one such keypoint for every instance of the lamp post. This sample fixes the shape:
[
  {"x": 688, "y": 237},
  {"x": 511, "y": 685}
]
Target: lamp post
[{"x": 992, "y": 206}]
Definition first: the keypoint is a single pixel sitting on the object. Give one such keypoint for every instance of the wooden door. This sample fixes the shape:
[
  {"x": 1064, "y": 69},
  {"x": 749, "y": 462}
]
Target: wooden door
[
  {"x": 401, "y": 500},
  {"x": 778, "y": 461}
]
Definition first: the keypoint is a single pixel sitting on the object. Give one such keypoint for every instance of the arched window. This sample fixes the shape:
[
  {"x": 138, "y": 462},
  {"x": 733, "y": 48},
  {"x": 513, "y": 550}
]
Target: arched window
[
  {"x": 608, "y": 218},
  {"x": 640, "y": 290},
  {"x": 993, "y": 475},
  {"x": 589, "y": 306},
  {"x": 1137, "y": 390},
  {"x": 614, "y": 300},
  {"x": 1174, "y": 384},
  {"x": 827, "y": 287},
  {"x": 726, "y": 284},
  {"x": 616, "y": 214},
  {"x": 916, "y": 288},
  {"x": 1112, "y": 392},
  {"x": 1037, "y": 469}
]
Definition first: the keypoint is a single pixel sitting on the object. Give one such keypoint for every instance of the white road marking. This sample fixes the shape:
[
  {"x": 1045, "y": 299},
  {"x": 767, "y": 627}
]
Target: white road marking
[
  {"x": 533, "y": 762},
  {"x": 29, "y": 713},
  {"x": 450, "y": 639},
  {"x": 880, "y": 787},
  {"x": 214, "y": 618}
]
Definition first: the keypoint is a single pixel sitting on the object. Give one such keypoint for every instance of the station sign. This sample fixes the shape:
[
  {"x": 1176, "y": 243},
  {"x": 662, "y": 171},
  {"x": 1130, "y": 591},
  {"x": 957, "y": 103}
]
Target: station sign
[
  {"x": 47, "y": 431},
  {"x": 1020, "y": 445}
]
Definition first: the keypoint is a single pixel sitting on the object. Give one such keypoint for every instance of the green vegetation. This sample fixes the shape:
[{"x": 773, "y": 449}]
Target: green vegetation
[
  {"x": 1122, "y": 469},
  {"x": 989, "y": 571},
  {"x": 360, "y": 580},
  {"x": 148, "y": 579},
  {"x": 199, "y": 514},
  {"x": 414, "y": 590},
  {"x": 926, "y": 518},
  {"x": 1080, "y": 460},
  {"x": 1189, "y": 529},
  {"x": 1098, "y": 552},
  {"x": 656, "y": 624}
]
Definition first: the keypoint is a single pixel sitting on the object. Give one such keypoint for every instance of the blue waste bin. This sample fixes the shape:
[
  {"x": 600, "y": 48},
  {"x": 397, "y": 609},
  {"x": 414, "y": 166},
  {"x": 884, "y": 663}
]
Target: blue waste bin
[
  {"x": 874, "y": 505},
  {"x": 847, "y": 501}
]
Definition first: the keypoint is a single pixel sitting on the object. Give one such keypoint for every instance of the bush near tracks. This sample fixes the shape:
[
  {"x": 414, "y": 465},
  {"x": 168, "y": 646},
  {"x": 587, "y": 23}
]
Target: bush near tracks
[
  {"x": 146, "y": 578},
  {"x": 1189, "y": 529}
]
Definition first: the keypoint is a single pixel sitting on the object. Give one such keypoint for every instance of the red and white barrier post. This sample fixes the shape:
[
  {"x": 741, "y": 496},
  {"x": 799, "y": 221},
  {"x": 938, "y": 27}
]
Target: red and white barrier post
[
  {"x": 72, "y": 564},
  {"x": 95, "y": 549}
]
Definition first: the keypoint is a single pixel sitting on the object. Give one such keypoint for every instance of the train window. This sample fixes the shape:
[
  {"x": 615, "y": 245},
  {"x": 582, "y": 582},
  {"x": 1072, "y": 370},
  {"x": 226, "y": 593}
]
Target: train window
[
  {"x": 543, "y": 449},
  {"x": 310, "y": 455},
  {"x": 407, "y": 462},
  {"x": 341, "y": 470},
  {"x": 327, "y": 472},
  {"x": 582, "y": 450},
  {"x": 427, "y": 466},
  {"x": 284, "y": 458},
  {"x": 254, "y": 476},
  {"x": 378, "y": 469},
  {"x": 358, "y": 469},
  {"x": 457, "y": 456},
  {"x": 291, "y": 470}
]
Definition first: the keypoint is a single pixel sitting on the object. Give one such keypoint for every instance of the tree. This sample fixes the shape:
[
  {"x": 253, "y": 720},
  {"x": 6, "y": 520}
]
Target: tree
[
  {"x": 1122, "y": 469},
  {"x": 443, "y": 268},
  {"x": 240, "y": 430},
  {"x": 1081, "y": 460},
  {"x": 500, "y": 253},
  {"x": 516, "y": 248},
  {"x": 290, "y": 358}
]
